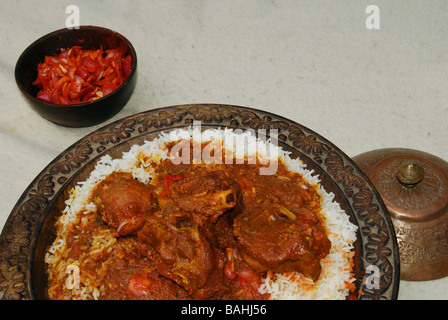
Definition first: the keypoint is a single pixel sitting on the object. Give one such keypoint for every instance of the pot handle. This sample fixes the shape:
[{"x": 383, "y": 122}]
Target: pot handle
[{"x": 410, "y": 173}]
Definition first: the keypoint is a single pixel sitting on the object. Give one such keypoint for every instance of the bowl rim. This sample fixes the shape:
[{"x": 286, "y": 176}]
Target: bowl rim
[{"x": 77, "y": 105}]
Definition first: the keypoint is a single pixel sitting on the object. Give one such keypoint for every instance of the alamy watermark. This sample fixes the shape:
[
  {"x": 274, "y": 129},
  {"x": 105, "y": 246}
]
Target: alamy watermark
[
  {"x": 235, "y": 147},
  {"x": 72, "y": 281},
  {"x": 373, "y": 278},
  {"x": 373, "y": 20},
  {"x": 72, "y": 21}
]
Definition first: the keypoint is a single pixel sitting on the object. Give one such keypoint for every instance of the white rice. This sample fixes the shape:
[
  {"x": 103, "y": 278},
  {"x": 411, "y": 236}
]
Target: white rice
[{"x": 336, "y": 267}]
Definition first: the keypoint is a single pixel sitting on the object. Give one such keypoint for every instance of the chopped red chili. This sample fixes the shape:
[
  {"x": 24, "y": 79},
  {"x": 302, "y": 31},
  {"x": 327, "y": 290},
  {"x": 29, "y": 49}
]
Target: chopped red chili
[{"x": 77, "y": 75}]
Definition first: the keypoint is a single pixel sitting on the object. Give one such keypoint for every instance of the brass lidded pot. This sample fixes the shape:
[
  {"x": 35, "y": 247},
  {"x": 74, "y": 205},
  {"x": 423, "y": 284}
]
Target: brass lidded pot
[{"x": 414, "y": 187}]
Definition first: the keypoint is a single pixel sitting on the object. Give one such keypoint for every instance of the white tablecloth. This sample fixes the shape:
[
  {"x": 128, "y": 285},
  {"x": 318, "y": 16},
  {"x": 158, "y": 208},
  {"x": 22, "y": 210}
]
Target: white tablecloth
[{"x": 315, "y": 62}]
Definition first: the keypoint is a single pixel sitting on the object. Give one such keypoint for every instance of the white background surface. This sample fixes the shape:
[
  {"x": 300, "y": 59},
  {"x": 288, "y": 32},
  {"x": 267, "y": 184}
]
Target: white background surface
[{"x": 314, "y": 62}]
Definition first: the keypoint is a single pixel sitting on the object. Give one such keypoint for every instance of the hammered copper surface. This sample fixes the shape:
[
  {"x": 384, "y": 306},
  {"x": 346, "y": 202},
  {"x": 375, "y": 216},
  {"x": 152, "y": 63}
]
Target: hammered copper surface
[
  {"x": 414, "y": 187},
  {"x": 29, "y": 229}
]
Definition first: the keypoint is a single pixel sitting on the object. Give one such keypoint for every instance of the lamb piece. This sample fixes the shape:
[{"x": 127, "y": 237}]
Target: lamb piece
[
  {"x": 210, "y": 195},
  {"x": 183, "y": 254},
  {"x": 123, "y": 202},
  {"x": 280, "y": 240}
]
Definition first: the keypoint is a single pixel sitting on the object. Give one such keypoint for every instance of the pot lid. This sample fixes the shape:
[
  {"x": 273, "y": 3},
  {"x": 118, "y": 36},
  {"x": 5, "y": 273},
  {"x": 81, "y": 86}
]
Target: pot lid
[{"x": 414, "y": 187}]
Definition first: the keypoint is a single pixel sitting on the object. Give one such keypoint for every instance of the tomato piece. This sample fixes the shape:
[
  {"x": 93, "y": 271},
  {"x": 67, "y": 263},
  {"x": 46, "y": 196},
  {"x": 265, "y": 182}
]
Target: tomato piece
[
  {"x": 139, "y": 285},
  {"x": 127, "y": 64},
  {"x": 82, "y": 72},
  {"x": 250, "y": 283},
  {"x": 85, "y": 92},
  {"x": 170, "y": 179},
  {"x": 90, "y": 64}
]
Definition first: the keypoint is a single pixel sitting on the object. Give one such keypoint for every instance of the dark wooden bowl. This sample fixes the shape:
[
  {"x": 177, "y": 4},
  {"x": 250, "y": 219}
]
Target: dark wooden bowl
[{"x": 83, "y": 114}]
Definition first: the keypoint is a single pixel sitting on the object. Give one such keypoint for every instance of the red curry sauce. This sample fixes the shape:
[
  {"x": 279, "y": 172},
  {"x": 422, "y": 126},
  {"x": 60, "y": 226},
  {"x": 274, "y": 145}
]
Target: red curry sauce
[{"x": 206, "y": 231}]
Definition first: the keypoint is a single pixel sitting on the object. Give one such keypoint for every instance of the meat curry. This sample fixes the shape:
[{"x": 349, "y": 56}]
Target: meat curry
[{"x": 206, "y": 231}]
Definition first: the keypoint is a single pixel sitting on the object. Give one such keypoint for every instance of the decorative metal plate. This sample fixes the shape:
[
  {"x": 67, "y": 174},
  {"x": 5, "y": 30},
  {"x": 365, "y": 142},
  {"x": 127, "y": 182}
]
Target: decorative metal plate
[{"x": 29, "y": 229}]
